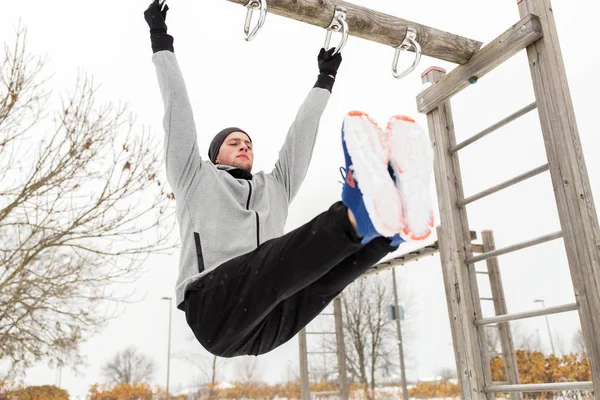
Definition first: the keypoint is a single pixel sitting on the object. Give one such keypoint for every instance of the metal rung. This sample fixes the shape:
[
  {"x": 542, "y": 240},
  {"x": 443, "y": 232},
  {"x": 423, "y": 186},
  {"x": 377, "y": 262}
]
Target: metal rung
[
  {"x": 515, "y": 247},
  {"x": 323, "y": 373},
  {"x": 321, "y": 352},
  {"x": 494, "y": 127},
  {"x": 526, "y": 314},
  {"x": 487, "y": 298},
  {"x": 320, "y": 333},
  {"x": 504, "y": 185},
  {"x": 539, "y": 387}
]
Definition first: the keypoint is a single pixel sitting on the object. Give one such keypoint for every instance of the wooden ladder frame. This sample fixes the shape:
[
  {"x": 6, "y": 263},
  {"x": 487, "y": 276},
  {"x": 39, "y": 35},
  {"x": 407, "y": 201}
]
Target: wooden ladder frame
[{"x": 536, "y": 33}]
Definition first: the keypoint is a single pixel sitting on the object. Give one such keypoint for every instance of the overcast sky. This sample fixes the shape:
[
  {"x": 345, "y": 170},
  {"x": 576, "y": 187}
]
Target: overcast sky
[{"x": 259, "y": 87}]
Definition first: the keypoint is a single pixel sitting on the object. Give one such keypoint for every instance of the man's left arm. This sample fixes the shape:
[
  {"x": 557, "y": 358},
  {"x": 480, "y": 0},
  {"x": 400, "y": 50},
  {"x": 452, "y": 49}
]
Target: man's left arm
[{"x": 296, "y": 152}]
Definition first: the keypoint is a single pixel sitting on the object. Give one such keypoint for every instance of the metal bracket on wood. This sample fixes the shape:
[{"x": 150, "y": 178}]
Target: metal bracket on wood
[
  {"x": 410, "y": 40},
  {"x": 337, "y": 23},
  {"x": 251, "y": 6}
]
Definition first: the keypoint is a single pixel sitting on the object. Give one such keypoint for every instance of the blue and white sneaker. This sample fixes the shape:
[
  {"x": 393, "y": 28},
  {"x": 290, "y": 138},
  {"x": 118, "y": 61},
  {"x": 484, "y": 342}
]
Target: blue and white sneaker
[
  {"x": 411, "y": 161},
  {"x": 369, "y": 190}
]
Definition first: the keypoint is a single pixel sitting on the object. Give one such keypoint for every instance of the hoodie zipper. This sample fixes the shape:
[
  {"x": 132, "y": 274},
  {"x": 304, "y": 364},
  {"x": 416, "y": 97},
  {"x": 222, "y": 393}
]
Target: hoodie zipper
[{"x": 255, "y": 213}]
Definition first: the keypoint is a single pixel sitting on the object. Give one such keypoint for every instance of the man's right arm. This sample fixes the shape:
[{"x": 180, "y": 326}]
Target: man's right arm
[{"x": 182, "y": 156}]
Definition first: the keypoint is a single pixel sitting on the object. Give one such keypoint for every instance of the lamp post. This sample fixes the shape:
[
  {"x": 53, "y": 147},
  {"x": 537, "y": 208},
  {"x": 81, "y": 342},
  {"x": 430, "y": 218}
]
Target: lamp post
[
  {"x": 168, "y": 346},
  {"x": 547, "y": 324}
]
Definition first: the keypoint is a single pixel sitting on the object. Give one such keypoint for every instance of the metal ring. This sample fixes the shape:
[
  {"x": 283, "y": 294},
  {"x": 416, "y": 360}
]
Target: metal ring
[
  {"x": 409, "y": 41},
  {"x": 161, "y": 3},
  {"x": 253, "y": 4},
  {"x": 337, "y": 23}
]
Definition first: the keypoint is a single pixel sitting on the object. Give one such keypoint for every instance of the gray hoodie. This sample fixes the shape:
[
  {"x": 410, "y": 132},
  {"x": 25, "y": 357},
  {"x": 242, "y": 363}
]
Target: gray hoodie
[{"x": 221, "y": 217}]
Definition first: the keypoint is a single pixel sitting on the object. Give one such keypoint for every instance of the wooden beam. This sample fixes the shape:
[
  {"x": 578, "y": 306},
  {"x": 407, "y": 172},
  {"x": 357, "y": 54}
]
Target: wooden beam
[
  {"x": 341, "y": 349},
  {"x": 515, "y": 39},
  {"x": 304, "y": 378},
  {"x": 572, "y": 190},
  {"x": 415, "y": 255},
  {"x": 376, "y": 26},
  {"x": 455, "y": 247}
]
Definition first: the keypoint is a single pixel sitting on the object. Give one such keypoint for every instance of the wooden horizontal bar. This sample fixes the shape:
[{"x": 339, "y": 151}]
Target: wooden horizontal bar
[
  {"x": 540, "y": 387},
  {"x": 376, "y": 26},
  {"x": 415, "y": 255},
  {"x": 404, "y": 259},
  {"x": 504, "y": 185},
  {"x": 495, "y": 127},
  {"x": 526, "y": 314},
  {"x": 515, "y": 247},
  {"x": 515, "y": 39}
]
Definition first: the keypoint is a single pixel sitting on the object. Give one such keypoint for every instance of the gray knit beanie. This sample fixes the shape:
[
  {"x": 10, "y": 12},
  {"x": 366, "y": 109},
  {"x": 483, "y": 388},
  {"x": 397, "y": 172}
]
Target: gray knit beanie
[{"x": 215, "y": 145}]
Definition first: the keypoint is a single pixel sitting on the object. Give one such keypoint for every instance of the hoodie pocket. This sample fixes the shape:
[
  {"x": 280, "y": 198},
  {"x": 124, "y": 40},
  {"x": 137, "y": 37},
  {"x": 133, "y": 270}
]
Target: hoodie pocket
[{"x": 199, "y": 255}]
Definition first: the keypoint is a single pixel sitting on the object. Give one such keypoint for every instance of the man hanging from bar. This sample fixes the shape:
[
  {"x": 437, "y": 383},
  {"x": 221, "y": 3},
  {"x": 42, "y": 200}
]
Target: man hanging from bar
[{"x": 244, "y": 285}]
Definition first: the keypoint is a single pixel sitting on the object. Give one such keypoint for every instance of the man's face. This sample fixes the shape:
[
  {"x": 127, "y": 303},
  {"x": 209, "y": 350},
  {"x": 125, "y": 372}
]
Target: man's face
[{"x": 236, "y": 151}]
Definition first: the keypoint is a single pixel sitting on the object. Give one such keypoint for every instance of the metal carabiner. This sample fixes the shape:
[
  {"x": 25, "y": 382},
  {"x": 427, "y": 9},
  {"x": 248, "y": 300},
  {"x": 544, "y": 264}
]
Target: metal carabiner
[
  {"x": 338, "y": 22},
  {"x": 161, "y": 3},
  {"x": 251, "y": 6},
  {"x": 410, "y": 40}
]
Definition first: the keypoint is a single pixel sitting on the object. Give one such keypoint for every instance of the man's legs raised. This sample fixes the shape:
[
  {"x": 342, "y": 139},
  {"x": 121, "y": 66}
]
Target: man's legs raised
[
  {"x": 295, "y": 312},
  {"x": 226, "y": 305}
]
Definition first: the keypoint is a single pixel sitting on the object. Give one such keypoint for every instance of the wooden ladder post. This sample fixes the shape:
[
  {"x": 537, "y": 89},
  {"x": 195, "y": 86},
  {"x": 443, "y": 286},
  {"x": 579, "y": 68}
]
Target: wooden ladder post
[
  {"x": 504, "y": 333},
  {"x": 341, "y": 348},
  {"x": 304, "y": 379},
  {"x": 576, "y": 210},
  {"x": 455, "y": 247}
]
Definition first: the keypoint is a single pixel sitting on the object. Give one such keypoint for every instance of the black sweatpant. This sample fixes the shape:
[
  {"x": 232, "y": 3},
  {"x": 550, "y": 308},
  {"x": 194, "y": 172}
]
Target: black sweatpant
[{"x": 256, "y": 302}]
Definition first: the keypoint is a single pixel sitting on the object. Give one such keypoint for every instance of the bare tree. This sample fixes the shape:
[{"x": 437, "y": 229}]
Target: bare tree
[
  {"x": 492, "y": 340},
  {"x": 370, "y": 337},
  {"x": 81, "y": 207},
  {"x": 579, "y": 342},
  {"x": 209, "y": 367},
  {"x": 525, "y": 339},
  {"x": 248, "y": 370},
  {"x": 128, "y": 367},
  {"x": 447, "y": 373},
  {"x": 293, "y": 372}
]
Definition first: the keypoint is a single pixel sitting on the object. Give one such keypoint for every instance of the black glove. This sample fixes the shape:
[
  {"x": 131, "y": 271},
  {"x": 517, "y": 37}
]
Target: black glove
[
  {"x": 158, "y": 28},
  {"x": 156, "y": 18},
  {"x": 329, "y": 64}
]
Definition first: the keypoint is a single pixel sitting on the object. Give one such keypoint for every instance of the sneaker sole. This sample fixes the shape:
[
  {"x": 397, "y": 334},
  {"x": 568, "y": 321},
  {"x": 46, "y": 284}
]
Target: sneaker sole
[
  {"x": 369, "y": 159},
  {"x": 412, "y": 160}
]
